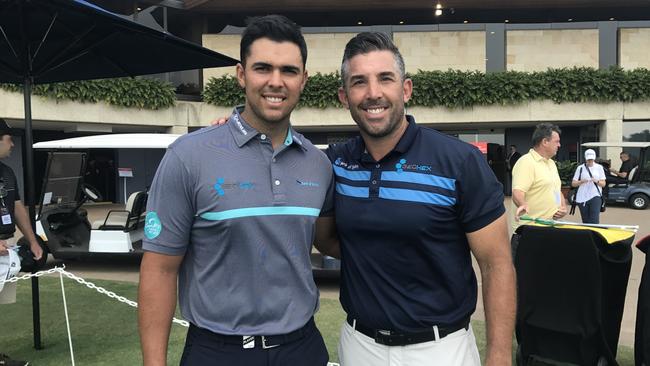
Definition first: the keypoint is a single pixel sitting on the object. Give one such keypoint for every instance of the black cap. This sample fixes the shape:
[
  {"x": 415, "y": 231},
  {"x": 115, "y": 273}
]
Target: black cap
[{"x": 5, "y": 129}]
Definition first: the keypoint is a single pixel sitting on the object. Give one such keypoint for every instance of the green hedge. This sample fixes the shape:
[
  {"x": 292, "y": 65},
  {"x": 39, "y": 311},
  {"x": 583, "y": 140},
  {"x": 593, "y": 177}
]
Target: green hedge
[
  {"x": 451, "y": 89},
  {"x": 123, "y": 92},
  {"x": 462, "y": 89}
]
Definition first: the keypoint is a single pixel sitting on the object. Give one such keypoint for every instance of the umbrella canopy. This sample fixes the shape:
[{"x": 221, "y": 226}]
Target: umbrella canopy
[
  {"x": 63, "y": 40},
  {"x": 46, "y": 41}
]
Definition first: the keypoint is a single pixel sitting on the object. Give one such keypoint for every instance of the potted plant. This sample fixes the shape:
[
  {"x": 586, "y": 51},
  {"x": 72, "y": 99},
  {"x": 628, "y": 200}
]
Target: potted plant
[{"x": 566, "y": 169}]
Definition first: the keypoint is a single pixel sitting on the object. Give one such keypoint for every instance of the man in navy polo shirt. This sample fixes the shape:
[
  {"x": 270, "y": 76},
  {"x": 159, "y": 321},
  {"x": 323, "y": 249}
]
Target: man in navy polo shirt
[
  {"x": 411, "y": 205},
  {"x": 231, "y": 217}
]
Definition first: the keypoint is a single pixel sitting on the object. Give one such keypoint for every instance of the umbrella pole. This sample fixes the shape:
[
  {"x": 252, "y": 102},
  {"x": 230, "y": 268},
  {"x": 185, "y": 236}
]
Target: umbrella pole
[{"x": 29, "y": 202}]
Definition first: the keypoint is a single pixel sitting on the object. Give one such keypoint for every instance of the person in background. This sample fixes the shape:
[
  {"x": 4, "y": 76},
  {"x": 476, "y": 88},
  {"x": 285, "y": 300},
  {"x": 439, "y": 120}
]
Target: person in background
[
  {"x": 513, "y": 156},
  {"x": 589, "y": 178},
  {"x": 536, "y": 184},
  {"x": 12, "y": 212},
  {"x": 620, "y": 176}
]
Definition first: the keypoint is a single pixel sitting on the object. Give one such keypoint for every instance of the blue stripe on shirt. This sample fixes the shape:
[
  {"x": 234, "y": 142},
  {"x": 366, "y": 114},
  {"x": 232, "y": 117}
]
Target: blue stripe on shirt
[
  {"x": 411, "y": 195},
  {"x": 351, "y": 174},
  {"x": 420, "y": 178},
  {"x": 260, "y": 211}
]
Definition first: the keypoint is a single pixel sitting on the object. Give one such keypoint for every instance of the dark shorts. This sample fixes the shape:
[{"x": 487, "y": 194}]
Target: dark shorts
[{"x": 203, "y": 348}]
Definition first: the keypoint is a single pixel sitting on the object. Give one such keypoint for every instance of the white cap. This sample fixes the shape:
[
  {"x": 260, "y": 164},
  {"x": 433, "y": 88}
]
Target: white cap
[
  {"x": 9, "y": 266},
  {"x": 590, "y": 154}
]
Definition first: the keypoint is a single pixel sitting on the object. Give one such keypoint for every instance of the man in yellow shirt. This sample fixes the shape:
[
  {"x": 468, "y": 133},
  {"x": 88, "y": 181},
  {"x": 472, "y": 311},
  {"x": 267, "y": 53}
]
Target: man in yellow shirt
[{"x": 535, "y": 179}]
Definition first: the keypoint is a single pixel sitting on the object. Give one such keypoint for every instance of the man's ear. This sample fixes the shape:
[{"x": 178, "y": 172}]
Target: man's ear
[
  {"x": 305, "y": 77},
  {"x": 407, "y": 86},
  {"x": 240, "y": 75},
  {"x": 343, "y": 98}
]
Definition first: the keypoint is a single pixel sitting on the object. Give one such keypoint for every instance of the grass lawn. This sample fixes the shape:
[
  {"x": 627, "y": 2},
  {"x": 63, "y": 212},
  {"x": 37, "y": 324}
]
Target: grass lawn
[{"x": 104, "y": 331}]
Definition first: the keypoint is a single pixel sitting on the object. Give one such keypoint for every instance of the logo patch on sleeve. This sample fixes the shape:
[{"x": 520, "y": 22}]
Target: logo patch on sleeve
[{"x": 152, "y": 226}]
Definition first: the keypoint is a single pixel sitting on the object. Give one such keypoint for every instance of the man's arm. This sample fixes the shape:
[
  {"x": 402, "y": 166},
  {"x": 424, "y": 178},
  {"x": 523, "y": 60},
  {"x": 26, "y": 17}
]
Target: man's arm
[
  {"x": 618, "y": 173},
  {"x": 490, "y": 246},
  {"x": 563, "y": 210},
  {"x": 519, "y": 199},
  {"x": 156, "y": 304},
  {"x": 327, "y": 241},
  {"x": 25, "y": 226}
]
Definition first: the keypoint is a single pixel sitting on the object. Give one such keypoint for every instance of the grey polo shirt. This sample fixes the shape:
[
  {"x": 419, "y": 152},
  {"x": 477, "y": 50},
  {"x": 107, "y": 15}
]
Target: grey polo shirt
[{"x": 243, "y": 215}]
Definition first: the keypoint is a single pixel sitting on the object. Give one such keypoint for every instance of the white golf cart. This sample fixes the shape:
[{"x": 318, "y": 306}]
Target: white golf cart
[{"x": 64, "y": 225}]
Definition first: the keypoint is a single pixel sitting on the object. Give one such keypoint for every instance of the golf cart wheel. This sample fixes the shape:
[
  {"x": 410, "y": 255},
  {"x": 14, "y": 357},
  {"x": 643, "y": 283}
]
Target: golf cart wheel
[{"x": 639, "y": 201}]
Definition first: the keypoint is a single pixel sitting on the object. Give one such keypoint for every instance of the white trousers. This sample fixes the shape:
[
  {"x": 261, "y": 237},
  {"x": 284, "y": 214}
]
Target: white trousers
[
  {"x": 456, "y": 349},
  {"x": 8, "y": 292}
]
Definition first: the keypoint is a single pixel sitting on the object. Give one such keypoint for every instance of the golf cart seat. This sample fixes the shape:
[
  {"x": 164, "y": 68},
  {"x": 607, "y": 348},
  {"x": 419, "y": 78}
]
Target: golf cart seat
[
  {"x": 127, "y": 219},
  {"x": 623, "y": 182},
  {"x": 559, "y": 296}
]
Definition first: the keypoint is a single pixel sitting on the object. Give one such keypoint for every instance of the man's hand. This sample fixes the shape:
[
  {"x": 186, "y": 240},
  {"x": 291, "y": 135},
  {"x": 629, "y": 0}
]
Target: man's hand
[
  {"x": 4, "y": 248},
  {"x": 521, "y": 210},
  {"x": 560, "y": 213},
  {"x": 36, "y": 250},
  {"x": 219, "y": 121}
]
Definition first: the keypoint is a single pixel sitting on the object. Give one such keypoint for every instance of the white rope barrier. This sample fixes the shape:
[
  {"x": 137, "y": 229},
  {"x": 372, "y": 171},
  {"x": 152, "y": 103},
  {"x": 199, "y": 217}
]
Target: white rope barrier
[
  {"x": 62, "y": 272},
  {"x": 67, "y": 318}
]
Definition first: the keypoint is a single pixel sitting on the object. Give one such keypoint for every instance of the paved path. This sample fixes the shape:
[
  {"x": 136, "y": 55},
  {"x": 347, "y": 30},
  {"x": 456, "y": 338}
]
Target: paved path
[{"x": 127, "y": 270}]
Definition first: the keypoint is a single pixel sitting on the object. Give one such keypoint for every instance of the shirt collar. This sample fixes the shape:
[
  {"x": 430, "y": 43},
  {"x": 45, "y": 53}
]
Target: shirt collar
[
  {"x": 243, "y": 132},
  {"x": 403, "y": 144},
  {"x": 537, "y": 156}
]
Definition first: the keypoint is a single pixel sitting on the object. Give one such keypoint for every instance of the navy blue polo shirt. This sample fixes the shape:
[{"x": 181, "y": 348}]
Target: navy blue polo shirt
[{"x": 402, "y": 222}]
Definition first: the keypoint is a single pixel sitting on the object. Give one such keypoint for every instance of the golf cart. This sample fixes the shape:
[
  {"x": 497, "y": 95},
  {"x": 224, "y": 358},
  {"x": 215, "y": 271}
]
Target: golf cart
[
  {"x": 636, "y": 191},
  {"x": 61, "y": 221},
  {"x": 63, "y": 224}
]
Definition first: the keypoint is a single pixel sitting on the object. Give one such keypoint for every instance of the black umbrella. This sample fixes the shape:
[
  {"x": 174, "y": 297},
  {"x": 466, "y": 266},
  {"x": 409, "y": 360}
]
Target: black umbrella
[{"x": 46, "y": 41}]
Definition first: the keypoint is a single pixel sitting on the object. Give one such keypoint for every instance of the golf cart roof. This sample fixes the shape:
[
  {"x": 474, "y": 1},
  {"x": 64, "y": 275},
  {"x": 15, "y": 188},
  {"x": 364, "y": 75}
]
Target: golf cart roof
[
  {"x": 617, "y": 144},
  {"x": 112, "y": 141}
]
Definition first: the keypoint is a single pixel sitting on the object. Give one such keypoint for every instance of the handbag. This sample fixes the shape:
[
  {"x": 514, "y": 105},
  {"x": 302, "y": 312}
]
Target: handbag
[
  {"x": 572, "y": 196},
  {"x": 602, "y": 200}
]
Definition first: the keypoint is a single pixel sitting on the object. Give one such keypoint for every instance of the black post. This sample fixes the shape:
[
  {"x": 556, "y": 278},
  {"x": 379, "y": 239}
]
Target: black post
[{"x": 29, "y": 202}]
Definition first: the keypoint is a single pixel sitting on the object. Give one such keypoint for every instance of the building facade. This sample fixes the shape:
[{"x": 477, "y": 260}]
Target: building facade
[{"x": 482, "y": 47}]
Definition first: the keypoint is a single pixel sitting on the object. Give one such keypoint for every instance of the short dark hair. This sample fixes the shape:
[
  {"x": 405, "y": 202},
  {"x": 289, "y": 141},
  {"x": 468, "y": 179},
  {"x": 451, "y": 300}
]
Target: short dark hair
[
  {"x": 366, "y": 42},
  {"x": 515, "y": 146},
  {"x": 277, "y": 28},
  {"x": 625, "y": 153},
  {"x": 544, "y": 131},
  {"x": 5, "y": 129}
]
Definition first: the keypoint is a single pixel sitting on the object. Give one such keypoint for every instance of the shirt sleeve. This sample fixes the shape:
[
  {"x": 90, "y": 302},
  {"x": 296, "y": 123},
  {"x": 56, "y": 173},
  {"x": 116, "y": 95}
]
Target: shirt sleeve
[
  {"x": 601, "y": 173},
  {"x": 15, "y": 183},
  {"x": 522, "y": 175},
  {"x": 576, "y": 175},
  {"x": 480, "y": 194},
  {"x": 328, "y": 205},
  {"x": 170, "y": 208}
]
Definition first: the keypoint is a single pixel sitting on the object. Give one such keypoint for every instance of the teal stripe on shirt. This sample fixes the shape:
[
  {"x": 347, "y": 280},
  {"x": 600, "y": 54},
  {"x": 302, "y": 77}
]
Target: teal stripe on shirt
[
  {"x": 260, "y": 211},
  {"x": 420, "y": 178}
]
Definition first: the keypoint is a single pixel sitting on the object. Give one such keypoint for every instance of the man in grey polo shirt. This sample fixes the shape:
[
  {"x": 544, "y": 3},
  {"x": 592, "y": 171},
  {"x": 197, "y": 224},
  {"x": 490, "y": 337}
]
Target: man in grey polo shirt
[{"x": 232, "y": 214}]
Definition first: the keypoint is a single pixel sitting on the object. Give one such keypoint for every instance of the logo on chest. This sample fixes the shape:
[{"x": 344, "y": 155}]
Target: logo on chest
[
  {"x": 404, "y": 166},
  {"x": 304, "y": 183},
  {"x": 341, "y": 163},
  {"x": 221, "y": 187}
]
